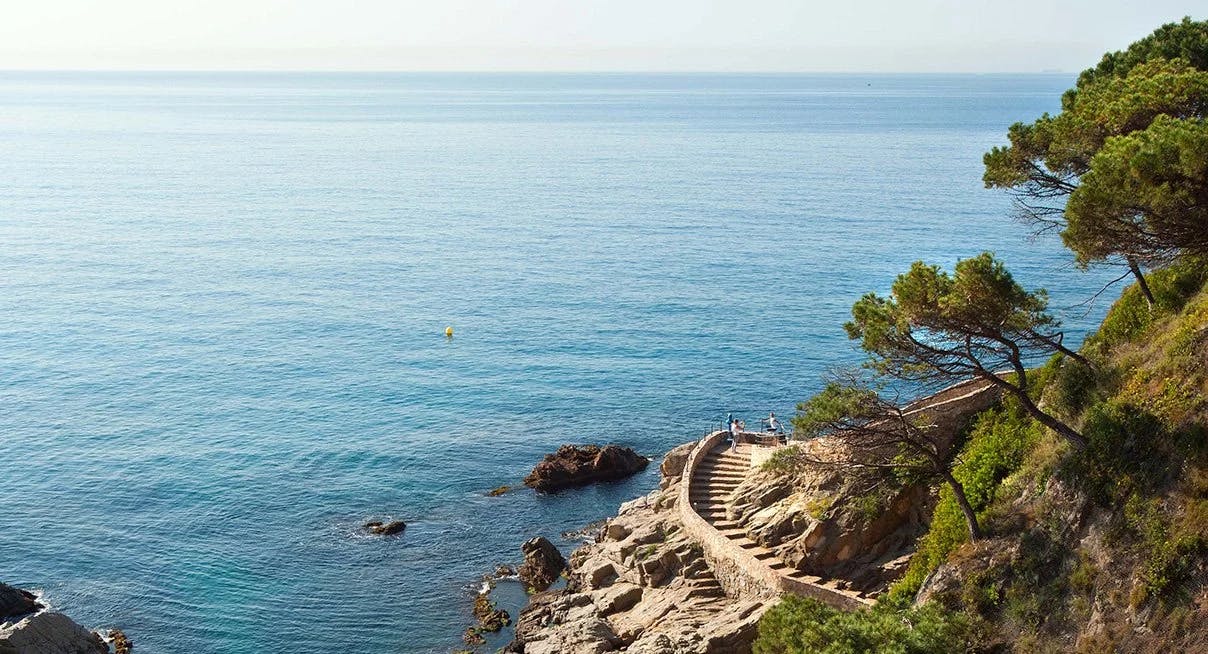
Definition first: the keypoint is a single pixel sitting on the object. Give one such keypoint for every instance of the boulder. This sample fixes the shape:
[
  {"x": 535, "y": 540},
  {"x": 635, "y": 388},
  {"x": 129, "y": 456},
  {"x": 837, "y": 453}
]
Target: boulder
[
  {"x": 121, "y": 642},
  {"x": 577, "y": 466},
  {"x": 49, "y": 632},
  {"x": 673, "y": 464},
  {"x": 386, "y": 528},
  {"x": 543, "y": 564},
  {"x": 15, "y": 602}
]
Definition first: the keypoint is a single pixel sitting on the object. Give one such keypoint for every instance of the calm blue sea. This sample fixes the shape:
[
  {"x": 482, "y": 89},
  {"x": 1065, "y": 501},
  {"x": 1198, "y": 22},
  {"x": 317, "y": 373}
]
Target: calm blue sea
[{"x": 223, "y": 297}]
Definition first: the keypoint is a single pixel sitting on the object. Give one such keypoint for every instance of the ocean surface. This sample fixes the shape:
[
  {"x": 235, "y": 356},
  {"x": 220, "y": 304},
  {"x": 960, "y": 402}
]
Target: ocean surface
[{"x": 223, "y": 298}]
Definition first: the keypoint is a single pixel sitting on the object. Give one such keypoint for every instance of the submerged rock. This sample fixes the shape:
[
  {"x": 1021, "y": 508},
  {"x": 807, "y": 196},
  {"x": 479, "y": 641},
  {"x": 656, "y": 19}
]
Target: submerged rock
[
  {"x": 499, "y": 491},
  {"x": 543, "y": 564},
  {"x": 503, "y": 571},
  {"x": 576, "y": 466},
  {"x": 490, "y": 617},
  {"x": 386, "y": 528}
]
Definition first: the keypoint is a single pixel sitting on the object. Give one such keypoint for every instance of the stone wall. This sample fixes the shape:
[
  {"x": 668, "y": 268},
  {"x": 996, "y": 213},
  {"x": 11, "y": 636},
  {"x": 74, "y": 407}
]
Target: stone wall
[{"x": 739, "y": 573}]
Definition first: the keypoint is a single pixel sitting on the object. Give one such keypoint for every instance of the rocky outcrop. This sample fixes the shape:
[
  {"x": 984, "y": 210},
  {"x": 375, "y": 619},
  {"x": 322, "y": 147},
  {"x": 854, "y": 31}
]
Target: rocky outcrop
[
  {"x": 387, "y": 528},
  {"x": 644, "y": 587},
  {"x": 15, "y": 602},
  {"x": 42, "y": 631},
  {"x": 542, "y": 566},
  {"x": 673, "y": 464},
  {"x": 577, "y": 466}
]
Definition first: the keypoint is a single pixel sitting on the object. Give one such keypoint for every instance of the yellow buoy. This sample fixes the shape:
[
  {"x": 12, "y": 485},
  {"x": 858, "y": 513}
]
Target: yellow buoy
[{"x": 448, "y": 332}]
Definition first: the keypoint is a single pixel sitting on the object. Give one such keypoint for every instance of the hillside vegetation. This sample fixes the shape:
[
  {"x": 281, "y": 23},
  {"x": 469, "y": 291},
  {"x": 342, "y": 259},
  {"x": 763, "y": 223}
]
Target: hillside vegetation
[
  {"x": 1097, "y": 551},
  {"x": 1072, "y": 516}
]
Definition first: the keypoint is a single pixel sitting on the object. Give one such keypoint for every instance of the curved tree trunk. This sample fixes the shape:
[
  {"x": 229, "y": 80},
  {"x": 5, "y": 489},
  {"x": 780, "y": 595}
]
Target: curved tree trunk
[
  {"x": 1141, "y": 283},
  {"x": 975, "y": 532},
  {"x": 1077, "y": 440},
  {"x": 1067, "y": 432}
]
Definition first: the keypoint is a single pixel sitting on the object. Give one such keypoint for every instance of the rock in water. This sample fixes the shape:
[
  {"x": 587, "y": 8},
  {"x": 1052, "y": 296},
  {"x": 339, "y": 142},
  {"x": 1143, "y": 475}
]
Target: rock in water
[
  {"x": 49, "y": 633},
  {"x": 543, "y": 564},
  {"x": 386, "y": 528},
  {"x": 15, "y": 602},
  {"x": 121, "y": 643},
  {"x": 577, "y": 466}
]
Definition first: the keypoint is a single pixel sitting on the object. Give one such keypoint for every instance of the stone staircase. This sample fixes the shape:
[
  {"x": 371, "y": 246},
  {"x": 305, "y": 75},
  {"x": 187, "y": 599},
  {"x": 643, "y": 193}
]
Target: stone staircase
[{"x": 717, "y": 475}]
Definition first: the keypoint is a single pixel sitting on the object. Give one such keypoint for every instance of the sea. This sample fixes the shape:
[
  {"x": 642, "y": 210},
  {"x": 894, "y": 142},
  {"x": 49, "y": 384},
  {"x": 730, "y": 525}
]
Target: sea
[{"x": 223, "y": 303}]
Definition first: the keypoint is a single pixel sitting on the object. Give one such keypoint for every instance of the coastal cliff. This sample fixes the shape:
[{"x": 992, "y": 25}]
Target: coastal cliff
[
  {"x": 660, "y": 579},
  {"x": 1101, "y": 550}
]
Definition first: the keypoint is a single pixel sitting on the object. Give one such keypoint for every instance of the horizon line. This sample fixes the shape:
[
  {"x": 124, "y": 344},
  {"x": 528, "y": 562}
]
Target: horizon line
[{"x": 472, "y": 71}]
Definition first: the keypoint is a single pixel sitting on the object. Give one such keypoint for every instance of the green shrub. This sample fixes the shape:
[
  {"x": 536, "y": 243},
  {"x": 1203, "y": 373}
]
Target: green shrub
[
  {"x": 805, "y": 626},
  {"x": 1072, "y": 386},
  {"x": 1124, "y": 452}
]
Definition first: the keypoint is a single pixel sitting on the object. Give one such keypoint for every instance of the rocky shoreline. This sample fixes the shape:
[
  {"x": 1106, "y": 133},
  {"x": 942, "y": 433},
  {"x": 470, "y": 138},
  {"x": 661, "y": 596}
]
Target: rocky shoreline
[
  {"x": 27, "y": 626},
  {"x": 643, "y": 585}
]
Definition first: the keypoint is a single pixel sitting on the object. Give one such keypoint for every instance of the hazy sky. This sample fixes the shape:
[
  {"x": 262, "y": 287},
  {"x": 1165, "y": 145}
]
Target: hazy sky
[{"x": 771, "y": 35}]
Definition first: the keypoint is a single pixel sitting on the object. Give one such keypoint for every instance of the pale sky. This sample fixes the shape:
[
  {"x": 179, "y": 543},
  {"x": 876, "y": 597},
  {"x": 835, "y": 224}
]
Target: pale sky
[{"x": 600, "y": 35}]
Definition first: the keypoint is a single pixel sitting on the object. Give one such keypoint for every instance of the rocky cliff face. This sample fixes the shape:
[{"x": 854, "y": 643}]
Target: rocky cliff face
[{"x": 643, "y": 587}]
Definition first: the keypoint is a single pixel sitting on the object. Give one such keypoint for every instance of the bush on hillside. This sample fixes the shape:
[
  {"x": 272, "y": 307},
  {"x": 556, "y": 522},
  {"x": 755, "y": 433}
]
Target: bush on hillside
[{"x": 805, "y": 626}]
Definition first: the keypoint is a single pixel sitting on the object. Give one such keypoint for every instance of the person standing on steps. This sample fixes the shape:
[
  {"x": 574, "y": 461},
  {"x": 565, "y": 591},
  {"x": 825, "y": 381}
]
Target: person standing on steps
[
  {"x": 732, "y": 426},
  {"x": 773, "y": 423}
]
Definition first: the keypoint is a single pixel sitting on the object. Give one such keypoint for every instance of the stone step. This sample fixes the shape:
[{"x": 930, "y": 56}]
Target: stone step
[
  {"x": 724, "y": 468},
  {"x": 805, "y": 578},
  {"x": 731, "y": 470},
  {"x": 717, "y": 479},
  {"x": 736, "y": 458},
  {"x": 728, "y": 482},
  {"x": 708, "y": 589},
  {"x": 719, "y": 474},
  {"x": 710, "y": 489}
]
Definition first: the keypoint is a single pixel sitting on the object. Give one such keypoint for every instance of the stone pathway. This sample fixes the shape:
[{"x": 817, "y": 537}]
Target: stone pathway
[{"x": 719, "y": 473}]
